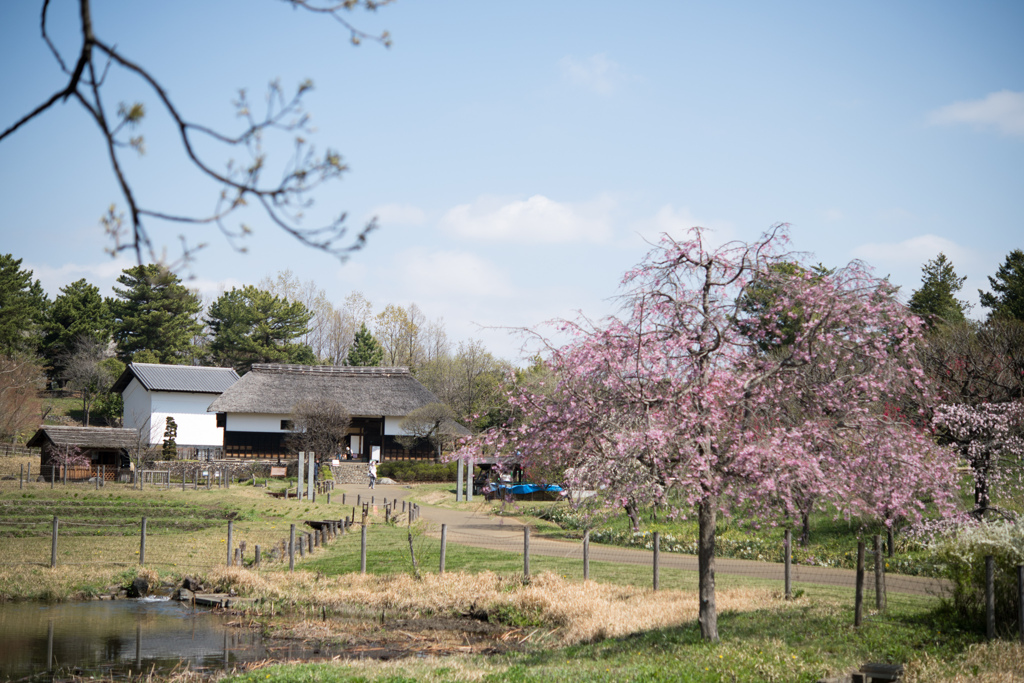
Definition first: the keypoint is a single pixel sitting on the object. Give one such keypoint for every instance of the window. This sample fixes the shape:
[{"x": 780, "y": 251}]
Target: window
[
  {"x": 222, "y": 419},
  {"x": 286, "y": 425}
]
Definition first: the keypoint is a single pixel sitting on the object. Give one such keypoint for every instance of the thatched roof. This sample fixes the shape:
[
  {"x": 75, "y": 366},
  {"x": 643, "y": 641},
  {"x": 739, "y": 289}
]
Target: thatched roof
[
  {"x": 84, "y": 437},
  {"x": 189, "y": 378},
  {"x": 276, "y": 389}
]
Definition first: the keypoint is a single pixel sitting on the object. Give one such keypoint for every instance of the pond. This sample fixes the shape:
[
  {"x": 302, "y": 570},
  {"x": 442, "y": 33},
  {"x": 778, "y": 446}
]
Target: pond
[{"x": 116, "y": 638}]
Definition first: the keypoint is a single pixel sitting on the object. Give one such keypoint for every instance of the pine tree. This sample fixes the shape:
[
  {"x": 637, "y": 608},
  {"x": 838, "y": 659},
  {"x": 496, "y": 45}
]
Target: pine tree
[
  {"x": 936, "y": 301},
  {"x": 366, "y": 351},
  {"x": 170, "y": 449},
  {"x": 22, "y": 306},
  {"x": 154, "y": 312},
  {"x": 79, "y": 313},
  {"x": 1007, "y": 299},
  {"x": 250, "y": 325}
]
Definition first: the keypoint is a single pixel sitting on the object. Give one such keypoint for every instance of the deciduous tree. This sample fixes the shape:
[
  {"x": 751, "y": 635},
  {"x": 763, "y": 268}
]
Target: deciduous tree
[
  {"x": 320, "y": 425},
  {"x": 89, "y": 65},
  {"x": 684, "y": 390}
]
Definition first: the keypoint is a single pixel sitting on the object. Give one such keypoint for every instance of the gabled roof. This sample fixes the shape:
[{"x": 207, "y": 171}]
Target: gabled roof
[
  {"x": 188, "y": 378},
  {"x": 86, "y": 437},
  {"x": 276, "y": 389}
]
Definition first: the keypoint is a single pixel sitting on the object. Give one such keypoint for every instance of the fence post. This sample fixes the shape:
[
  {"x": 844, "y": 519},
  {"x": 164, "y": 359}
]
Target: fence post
[
  {"x": 787, "y": 549},
  {"x": 182, "y": 477},
  {"x": 858, "y": 600},
  {"x": 311, "y": 483},
  {"x": 657, "y": 557},
  {"x": 526, "y": 553},
  {"x": 28, "y": 473},
  {"x": 444, "y": 546},
  {"x": 362, "y": 552},
  {"x": 256, "y": 561},
  {"x": 343, "y": 498},
  {"x": 469, "y": 480},
  {"x": 990, "y": 596},
  {"x": 291, "y": 550},
  {"x": 1020, "y": 601},
  {"x": 103, "y": 475},
  {"x": 458, "y": 485},
  {"x": 231, "y": 528},
  {"x": 21, "y": 477},
  {"x": 302, "y": 464},
  {"x": 586, "y": 555},
  {"x": 142, "y": 544},
  {"x": 53, "y": 544},
  {"x": 880, "y": 602}
]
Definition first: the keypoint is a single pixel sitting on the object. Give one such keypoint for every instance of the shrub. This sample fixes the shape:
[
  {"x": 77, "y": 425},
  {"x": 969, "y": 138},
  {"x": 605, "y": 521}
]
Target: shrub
[
  {"x": 416, "y": 471},
  {"x": 963, "y": 553}
]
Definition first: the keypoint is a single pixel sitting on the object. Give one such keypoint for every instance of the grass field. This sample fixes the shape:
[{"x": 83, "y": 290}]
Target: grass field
[{"x": 612, "y": 628}]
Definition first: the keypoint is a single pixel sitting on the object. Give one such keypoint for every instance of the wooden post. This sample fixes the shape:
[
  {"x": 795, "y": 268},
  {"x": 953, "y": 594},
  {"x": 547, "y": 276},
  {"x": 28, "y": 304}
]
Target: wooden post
[
  {"x": 526, "y": 553},
  {"x": 787, "y": 549},
  {"x": 256, "y": 560},
  {"x": 586, "y": 555},
  {"x": 343, "y": 498},
  {"x": 97, "y": 478},
  {"x": 238, "y": 557},
  {"x": 142, "y": 544},
  {"x": 328, "y": 497},
  {"x": 458, "y": 485},
  {"x": 291, "y": 550},
  {"x": 311, "y": 483},
  {"x": 858, "y": 600},
  {"x": 444, "y": 547},
  {"x": 879, "y": 575},
  {"x": 469, "y": 480},
  {"x": 302, "y": 464},
  {"x": 990, "y": 597},
  {"x": 231, "y": 528},
  {"x": 657, "y": 557},
  {"x": 53, "y": 544},
  {"x": 362, "y": 552},
  {"x": 1020, "y": 601},
  {"x": 892, "y": 541},
  {"x": 103, "y": 475},
  {"x": 21, "y": 477},
  {"x": 28, "y": 473},
  {"x": 183, "y": 478}
]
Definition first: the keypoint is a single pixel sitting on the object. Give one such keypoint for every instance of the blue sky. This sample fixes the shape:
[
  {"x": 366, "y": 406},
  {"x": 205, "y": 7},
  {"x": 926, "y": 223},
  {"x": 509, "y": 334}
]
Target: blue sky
[{"x": 519, "y": 154}]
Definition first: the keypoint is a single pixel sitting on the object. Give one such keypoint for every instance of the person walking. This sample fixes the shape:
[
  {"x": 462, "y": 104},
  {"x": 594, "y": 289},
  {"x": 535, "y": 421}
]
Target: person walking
[{"x": 372, "y": 471}]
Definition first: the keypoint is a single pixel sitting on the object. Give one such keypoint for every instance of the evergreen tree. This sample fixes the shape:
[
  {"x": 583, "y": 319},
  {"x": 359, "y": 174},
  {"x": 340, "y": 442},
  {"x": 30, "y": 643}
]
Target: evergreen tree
[
  {"x": 78, "y": 313},
  {"x": 170, "y": 449},
  {"x": 936, "y": 301},
  {"x": 250, "y": 325},
  {"x": 153, "y": 312},
  {"x": 366, "y": 351},
  {"x": 1007, "y": 297},
  {"x": 22, "y": 307}
]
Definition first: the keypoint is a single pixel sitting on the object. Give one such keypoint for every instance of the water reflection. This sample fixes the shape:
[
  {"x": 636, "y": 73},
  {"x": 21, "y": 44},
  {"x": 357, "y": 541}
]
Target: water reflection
[{"x": 115, "y": 637}]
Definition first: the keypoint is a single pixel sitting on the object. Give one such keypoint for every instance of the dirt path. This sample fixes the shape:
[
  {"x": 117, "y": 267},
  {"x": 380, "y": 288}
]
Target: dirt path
[{"x": 474, "y": 526}]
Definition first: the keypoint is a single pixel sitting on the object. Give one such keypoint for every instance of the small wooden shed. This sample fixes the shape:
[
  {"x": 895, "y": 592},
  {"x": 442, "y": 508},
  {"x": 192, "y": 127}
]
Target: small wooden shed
[{"x": 107, "y": 449}]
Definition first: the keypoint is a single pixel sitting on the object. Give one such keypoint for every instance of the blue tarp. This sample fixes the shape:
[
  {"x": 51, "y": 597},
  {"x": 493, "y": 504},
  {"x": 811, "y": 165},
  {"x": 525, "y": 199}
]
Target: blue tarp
[{"x": 522, "y": 489}]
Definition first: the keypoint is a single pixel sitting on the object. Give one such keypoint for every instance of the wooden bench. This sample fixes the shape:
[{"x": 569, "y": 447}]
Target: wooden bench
[{"x": 278, "y": 471}]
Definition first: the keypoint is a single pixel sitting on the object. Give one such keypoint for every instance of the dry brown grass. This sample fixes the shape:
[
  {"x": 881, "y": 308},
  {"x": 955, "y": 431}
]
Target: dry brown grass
[
  {"x": 11, "y": 466},
  {"x": 996, "y": 662},
  {"x": 576, "y": 612},
  {"x": 28, "y": 582}
]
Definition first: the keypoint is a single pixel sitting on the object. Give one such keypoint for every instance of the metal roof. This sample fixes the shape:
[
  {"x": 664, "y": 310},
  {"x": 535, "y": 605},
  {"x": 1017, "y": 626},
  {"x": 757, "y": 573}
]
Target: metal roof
[{"x": 186, "y": 378}]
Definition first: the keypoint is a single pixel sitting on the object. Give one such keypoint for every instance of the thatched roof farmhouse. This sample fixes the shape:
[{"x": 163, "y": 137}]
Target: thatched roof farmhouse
[{"x": 256, "y": 411}]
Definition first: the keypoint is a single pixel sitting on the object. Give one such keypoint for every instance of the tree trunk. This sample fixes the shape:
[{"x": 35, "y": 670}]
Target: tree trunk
[
  {"x": 981, "y": 497},
  {"x": 805, "y": 529},
  {"x": 708, "y": 615},
  {"x": 634, "y": 516}
]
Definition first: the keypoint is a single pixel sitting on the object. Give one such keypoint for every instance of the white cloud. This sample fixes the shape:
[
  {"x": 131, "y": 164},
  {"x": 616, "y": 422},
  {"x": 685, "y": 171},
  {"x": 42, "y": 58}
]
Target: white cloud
[
  {"x": 916, "y": 251},
  {"x": 399, "y": 214},
  {"x": 1003, "y": 110},
  {"x": 537, "y": 220},
  {"x": 442, "y": 274},
  {"x": 596, "y": 73}
]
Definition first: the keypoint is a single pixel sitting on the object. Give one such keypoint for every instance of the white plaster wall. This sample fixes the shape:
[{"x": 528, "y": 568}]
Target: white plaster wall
[
  {"x": 392, "y": 426},
  {"x": 196, "y": 427},
  {"x": 255, "y": 422},
  {"x": 138, "y": 406}
]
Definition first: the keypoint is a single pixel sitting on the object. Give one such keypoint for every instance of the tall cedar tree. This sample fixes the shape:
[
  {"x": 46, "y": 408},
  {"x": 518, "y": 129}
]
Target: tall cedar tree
[
  {"x": 1007, "y": 297},
  {"x": 79, "y": 313},
  {"x": 936, "y": 301},
  {"x": 154, "y": 312},
  {"x": 366, "y": 351},
  {"x": 250, "y": 325},
  {"x": 22, "y": 307}
]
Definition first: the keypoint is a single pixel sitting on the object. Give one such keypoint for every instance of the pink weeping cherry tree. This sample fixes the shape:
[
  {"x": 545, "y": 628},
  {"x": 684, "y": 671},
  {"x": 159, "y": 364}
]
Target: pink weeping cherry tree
[{"x": 684, "y": 399}]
